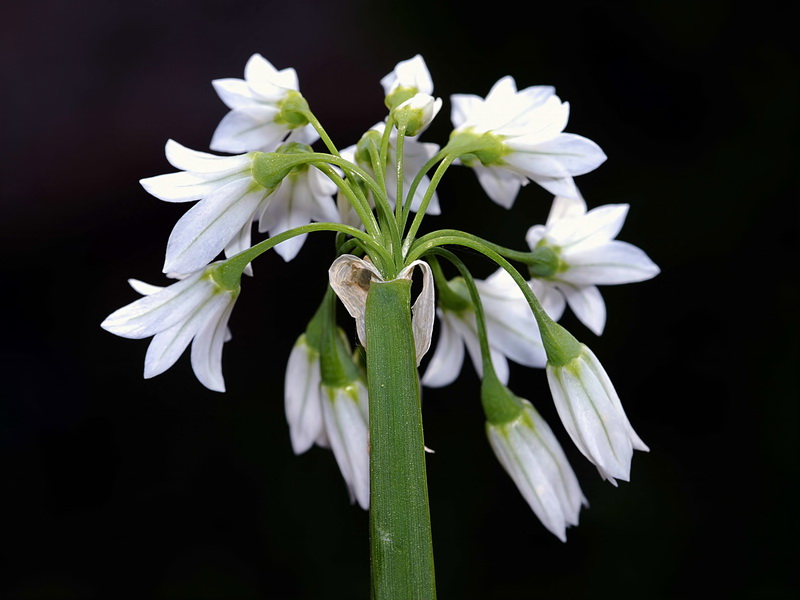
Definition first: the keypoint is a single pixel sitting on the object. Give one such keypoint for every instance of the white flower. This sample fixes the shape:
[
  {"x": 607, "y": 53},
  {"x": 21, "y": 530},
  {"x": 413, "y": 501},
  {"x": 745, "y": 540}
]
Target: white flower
[
  {"x": 528, "y": 127},
  {"x": 411, "y": 75},
  {"x": 195, "y": 308},
  {"x": 415, "y": 155},
  {"x": 345, "y": 410},
  {"x": 350, "y": 277},
  {"x": 303, "y": 397},
  {"x": 510, "y": 324},
  {"x": 530, "y": 453},
  {"x": 229, "y": 197},
  {"x": 254, "y": 122},
  {"x": 593, "y": 415},
  {"x": 588, "y": 255},
  {"x": 304, "y": 195}
]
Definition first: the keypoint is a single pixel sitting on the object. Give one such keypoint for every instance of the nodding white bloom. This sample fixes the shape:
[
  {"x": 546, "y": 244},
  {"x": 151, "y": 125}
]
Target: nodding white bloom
[
  {"x": 256, "y": 120},
  {"x": 510, "y": 326},
  {"x": 350, "y": 278},
  {"x": 587, "y": 255},
  {"x": 593, "y": 415},
  {"x": 304, "y": 195},
  {"x": 345, "y": 410},
  {"x": 415, "y": 155},
  {"x": 409, "y": 77},
  {"x": 228, "y": 195},
  {"x": 303, "y": 397},
  {"x": 526, "y": 127},
  {"x": 532, "y": 456},
  {"x": 195, "y": 309}
]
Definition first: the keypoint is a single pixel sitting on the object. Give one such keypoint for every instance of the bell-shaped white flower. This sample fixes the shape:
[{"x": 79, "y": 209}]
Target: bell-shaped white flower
[
  {"x": 345, "y": 410},
  {"x": 592, "y": 414},
  {"x": 304, "y": 195},
  {"x": 303, "y": 397},
  {"x": 408, "y": 77},
  {"x": 510, "y": 326},
  {"x": 350, "y": 277},
  {"x": 588, "y": 255},
  {"x": 532, "y": 456},
  {"x": 527, "y": 128},
  {"x": 228, "y": 198},
  {"x": 195, "y": 309},
  {"x": 255, "y": 121}
]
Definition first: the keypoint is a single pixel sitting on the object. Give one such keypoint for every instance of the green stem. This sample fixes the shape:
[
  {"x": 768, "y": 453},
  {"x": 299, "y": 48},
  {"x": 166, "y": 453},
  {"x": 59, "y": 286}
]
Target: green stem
[
  {"x": 437, "y": 176},
  {"x": 231, "y": 269},
  {"x": 427, "y": 243},
  {"x": 398, "y": 202},
  {"x": 400, "y": 531}
]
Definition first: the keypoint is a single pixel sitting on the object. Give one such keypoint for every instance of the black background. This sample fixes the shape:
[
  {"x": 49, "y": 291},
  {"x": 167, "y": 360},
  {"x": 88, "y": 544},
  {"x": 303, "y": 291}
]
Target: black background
[{"x": 117, "y": 487}]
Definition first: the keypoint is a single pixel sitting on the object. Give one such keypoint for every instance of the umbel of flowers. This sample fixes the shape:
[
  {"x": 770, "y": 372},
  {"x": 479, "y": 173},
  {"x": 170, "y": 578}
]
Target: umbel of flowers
[{"x": 374, "y": 196}]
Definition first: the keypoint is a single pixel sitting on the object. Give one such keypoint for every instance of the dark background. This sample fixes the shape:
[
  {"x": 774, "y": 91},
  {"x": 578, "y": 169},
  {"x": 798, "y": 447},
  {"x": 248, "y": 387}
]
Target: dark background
[{"x": 117, "y": 487}]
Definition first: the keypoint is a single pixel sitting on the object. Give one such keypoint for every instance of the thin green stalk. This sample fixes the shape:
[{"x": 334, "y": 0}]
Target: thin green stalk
[
  {"x": 437, "y": 176},
  {"x": 359, "y": 204},
  {"x": 400, "y": 531},
  {"x": 445, "y": 237},
  {"x": 231, "y": 269},
  {"x": 412, "y": 190},
  {"x": 382, "y": 203},
  {"x": 398, "y": 202},
  {"x": 322, "y": 133}
]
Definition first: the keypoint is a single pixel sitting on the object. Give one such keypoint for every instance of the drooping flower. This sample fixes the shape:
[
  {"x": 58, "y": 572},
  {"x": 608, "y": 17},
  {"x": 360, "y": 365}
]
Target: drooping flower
[
  {"x": 304, "y": 195},
  {"x": 350, "y": 277},
  {"x": 303, "y": 396},
  {"x": 532, "y": 456},
  {"x": 522, "y": 133},
  {"x": 345, "y": 409},
  {"x": 261, "y": 115},
  {"x": 193, "y": 310},
  {"x": 586, "y": 254},
  {"x": 592, "y": 414},
  {"x": 510, "y": 324},
  {"x": 228, "y": 195}
]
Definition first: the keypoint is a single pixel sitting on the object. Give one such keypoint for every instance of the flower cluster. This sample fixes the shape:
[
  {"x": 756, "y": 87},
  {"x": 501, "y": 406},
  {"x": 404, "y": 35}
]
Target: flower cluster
[{"x": 374, "y": 195}]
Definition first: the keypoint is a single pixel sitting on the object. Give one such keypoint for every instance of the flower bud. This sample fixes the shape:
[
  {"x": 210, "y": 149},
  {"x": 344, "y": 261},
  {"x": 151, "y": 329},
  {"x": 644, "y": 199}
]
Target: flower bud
[{"x": 416, "y": 113}]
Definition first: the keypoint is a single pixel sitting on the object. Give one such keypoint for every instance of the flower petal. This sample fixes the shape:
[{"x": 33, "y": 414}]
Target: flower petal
[
  {"x": 302, "y": 396},
  {"x": 241, "y": 131},
  {"x": 501, "y": 185},
  {"x": 613, "y": 263},
  {"x": 448, "y": 358},
  {"x": 158, "y": 311},
  {"x": 349, "y": 437},
  {"x": 207, "y": 346},
  {"x": 168, "y": 345},
  {"x": 587, "y": 304},
  {"x": 205, "y": 230}
]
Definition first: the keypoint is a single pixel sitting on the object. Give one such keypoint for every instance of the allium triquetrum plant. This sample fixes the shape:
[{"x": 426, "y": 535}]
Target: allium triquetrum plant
[{"x": 374, "y": 196}]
